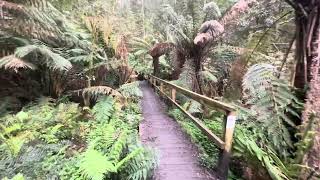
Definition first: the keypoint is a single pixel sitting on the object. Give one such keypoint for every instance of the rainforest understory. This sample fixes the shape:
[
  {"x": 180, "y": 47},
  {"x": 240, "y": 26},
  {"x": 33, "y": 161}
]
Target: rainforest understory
[{"x": 71, "y": 70}]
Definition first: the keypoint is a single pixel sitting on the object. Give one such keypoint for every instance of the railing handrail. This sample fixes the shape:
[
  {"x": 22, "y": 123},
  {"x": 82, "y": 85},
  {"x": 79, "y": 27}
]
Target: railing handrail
[
  {"x": 198, "y": 97},
  {"x": 228, "y": 124}
]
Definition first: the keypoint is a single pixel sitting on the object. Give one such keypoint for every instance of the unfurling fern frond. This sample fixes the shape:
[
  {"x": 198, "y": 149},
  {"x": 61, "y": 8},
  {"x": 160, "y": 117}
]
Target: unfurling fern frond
[
  {"x": 273, "y": 102},
  {"x": 14, "y": 63}
]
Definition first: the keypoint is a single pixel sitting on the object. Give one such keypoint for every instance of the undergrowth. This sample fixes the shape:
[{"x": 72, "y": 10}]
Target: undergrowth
[{"x": 64, "y": 141}]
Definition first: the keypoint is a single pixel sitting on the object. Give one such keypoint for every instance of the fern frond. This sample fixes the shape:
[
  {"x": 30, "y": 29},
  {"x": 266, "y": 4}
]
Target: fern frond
[
  {"x": 272, "y": 100},
  {"x": 104, "y": 109},
  {"x": 14, "y": 63},
  {"x": 95, "y": 91},
  {"x": 118, "y": 147},
  {"x": 50, "y": 58},
  {"x": 131, "y": 90},
  {"x": 140, "y": 167},
  {"x": 94, "y": 165},
  {"x": 127, "y": 159}
]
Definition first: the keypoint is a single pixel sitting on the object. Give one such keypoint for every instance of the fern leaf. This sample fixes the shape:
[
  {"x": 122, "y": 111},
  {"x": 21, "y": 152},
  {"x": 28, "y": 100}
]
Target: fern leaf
[
  {"x": 51, "y": 59},
  {"x": 128, "y": 158},
  {"x": 103, "y": 109},
  {"x": 12, "y": 62},
  {"x": 272, "y": 99},
  {"x": 94, "y": 165},
  {"x": 101, "y": 90}
]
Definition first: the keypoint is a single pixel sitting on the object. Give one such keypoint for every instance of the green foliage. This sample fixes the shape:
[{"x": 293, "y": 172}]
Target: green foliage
[
  {"x": 272, "y": 101},
  {"x": 207, "y": 76},
  {"x": 246, "y": 147},
  {"x": 94, "y": 165},
  {"x": 49, "y": 58},
  {"x": 16, "y": 177},
  {"x": 138, "y": 168},
  {"x": 104, "y": 109},
  {"x": 131, "y": 90},
  {"x": 142, "y": 65},
  {"x": 264, "y": 137},
  {"x": 57, "y": 140}
]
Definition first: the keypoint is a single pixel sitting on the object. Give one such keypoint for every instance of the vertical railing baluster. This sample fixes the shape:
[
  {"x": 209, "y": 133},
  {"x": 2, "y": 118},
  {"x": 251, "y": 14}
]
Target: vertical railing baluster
[
  {"x": 229, "y": 125},
  {"x": 173, "y": 94}
]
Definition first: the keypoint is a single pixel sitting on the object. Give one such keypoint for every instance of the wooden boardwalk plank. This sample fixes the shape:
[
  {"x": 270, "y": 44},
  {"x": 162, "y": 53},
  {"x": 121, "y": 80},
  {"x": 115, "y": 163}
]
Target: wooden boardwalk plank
[{"x": 177, "y": 155}]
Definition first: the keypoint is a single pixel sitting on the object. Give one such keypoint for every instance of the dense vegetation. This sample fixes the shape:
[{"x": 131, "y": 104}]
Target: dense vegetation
[{"x": 69, "y": 96}]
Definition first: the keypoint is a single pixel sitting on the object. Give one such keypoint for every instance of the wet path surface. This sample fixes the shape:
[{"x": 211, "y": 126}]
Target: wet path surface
[{"x": 177, "y": 155}]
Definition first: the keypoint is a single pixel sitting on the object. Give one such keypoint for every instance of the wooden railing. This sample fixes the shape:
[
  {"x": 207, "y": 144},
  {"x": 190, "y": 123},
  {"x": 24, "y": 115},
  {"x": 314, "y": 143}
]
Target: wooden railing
[{"x": 228, "y": 123}]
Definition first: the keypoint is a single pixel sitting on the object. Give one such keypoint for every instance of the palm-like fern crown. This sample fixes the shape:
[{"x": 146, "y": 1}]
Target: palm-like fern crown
[
  {"x": 33, "y": 19},
  {"x": 23, "y": 21},
  {"x": 182, "y": 28}
]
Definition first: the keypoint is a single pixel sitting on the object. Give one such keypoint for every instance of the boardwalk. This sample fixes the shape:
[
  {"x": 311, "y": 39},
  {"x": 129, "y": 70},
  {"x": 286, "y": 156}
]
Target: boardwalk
[{"x": 177, "y": 155}]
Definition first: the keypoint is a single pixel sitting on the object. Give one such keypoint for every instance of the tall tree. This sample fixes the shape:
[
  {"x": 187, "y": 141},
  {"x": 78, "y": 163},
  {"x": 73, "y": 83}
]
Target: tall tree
[{"x": 307, "y": 72}]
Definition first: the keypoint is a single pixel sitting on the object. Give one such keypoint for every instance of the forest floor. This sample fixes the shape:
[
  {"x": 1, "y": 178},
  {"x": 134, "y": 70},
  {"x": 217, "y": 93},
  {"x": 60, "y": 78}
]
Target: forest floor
[{"x": 177, "y": 155}]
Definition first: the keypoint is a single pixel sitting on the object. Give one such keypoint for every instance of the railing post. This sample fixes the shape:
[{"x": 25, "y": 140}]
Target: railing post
[
  {"x": 155, "y": 82},
  {"x": 229, "y": 125},
  {"x": 173, "y": 94},
  {"x": 161, "y": 87}
]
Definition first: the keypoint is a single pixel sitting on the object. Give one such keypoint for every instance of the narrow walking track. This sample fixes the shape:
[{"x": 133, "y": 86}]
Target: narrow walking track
[{"x": 177, "y": 154}]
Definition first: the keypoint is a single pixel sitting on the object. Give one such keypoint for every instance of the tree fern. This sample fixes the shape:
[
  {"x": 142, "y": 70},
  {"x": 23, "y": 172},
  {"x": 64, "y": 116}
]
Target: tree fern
[
  {"x": 272, "y": 101},
  {"x": 36, "y": 19},
  {"x": 95, "y": 91}
]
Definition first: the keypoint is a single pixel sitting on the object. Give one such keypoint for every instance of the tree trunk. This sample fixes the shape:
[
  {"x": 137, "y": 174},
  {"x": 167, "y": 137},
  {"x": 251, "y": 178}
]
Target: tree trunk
[
  {"x": 312, "y": 110},
  {"x": 156, "y": 66},
  {"x": 178, "y": 65},
  {"x": 197, "y": 55},
  {"x": 158, "y": 50},
  {"x": 307, "y": 74}
]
